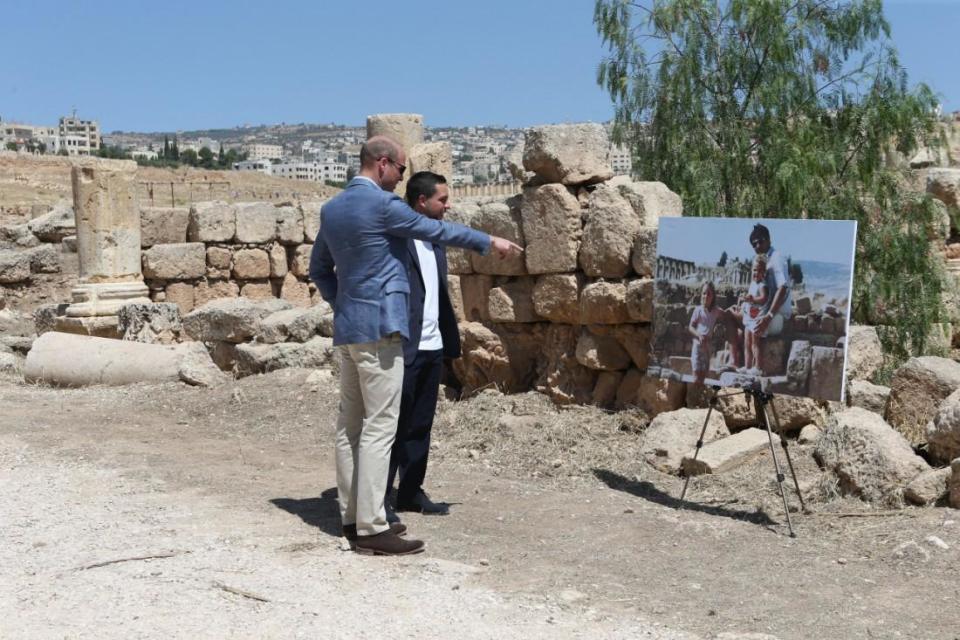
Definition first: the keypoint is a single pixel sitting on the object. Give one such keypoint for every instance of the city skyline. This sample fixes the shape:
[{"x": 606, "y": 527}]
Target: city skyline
[{"x": 181, "y": 66}]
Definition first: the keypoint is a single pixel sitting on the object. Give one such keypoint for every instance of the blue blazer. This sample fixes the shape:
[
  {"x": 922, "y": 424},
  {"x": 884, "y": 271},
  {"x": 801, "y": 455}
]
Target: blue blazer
[
  {"x": 447, "y": 321},
  {"x": 359, "y": 259}
]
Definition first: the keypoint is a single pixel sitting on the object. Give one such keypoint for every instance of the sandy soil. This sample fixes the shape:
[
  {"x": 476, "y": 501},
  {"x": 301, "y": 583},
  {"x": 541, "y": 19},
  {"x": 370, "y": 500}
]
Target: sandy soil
[{"x": 231, "y": 490}]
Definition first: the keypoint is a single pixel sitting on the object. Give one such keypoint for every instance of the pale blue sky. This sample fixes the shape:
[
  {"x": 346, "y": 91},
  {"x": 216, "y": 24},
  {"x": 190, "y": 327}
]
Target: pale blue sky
[
  {"x": 188, "y": 64},
  {"x": 702, "y": 240}
]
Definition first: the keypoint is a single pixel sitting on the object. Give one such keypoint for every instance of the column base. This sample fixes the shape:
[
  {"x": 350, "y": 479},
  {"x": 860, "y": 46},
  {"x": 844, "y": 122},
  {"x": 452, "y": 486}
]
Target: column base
[
  {"x": 106, "y": 298},
  {"x": 97, "y": 326}
]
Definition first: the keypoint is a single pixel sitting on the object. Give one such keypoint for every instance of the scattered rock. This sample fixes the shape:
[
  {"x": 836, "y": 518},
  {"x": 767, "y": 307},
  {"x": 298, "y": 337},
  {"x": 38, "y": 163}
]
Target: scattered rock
[
  {"x": 229, "y": 319},
  {"x": 943, "y": 432},
  {"x": 157, "y": 323},
  {"x": 55, "y": 225},
  {"x": 14, "y": 267},
  {"x": 260, "y": 358},
  {"x": 929, "y": 487},
  {"x": 866, "y": 395},
  {"x": 673, "y": 435},
  {"x": 727, "y": 453},
  {"x": 864, "y": 353},
  {"x": 571, "y": 154},
  {"x": 917, "y": 389},
  {"x": 810, "y": 434}
]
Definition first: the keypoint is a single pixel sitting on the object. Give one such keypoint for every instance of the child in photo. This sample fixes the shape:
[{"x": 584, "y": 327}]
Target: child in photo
[
  {"x": 754, "y": 306},
  {"x": 702, "y": 323}
]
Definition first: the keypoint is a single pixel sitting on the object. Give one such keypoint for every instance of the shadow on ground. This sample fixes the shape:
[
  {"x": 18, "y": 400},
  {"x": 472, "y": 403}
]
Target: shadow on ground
[
  {"x": 648, "y": 491},
  {"x": 322, "y": 512}
]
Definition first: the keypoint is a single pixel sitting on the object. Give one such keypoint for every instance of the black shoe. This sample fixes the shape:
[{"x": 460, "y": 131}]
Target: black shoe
[
  {"x": 350, "y": 531},
  {"x": 421, "y": 503},
  {"x": 392, "y": 516}
]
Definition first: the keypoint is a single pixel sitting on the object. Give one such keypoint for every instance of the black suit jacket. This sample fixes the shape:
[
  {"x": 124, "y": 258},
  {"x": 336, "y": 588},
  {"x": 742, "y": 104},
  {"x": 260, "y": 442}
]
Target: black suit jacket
[{"x": 448, "y": 321}]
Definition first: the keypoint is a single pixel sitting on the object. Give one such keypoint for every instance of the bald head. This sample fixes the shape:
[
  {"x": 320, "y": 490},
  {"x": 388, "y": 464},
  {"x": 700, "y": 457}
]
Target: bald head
[{"x": 379, "y": 147}]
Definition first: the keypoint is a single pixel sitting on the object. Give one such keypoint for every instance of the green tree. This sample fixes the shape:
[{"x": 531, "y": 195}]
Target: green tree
[
  {"x": 166, "y": 148},
  {"x": 784, "y": 108},
  {"x": 188, "y": 157},
  {"x": 11, "y": 146},
  {"x": 206, "y": 158},
  {"x": 221, "y": 157}
]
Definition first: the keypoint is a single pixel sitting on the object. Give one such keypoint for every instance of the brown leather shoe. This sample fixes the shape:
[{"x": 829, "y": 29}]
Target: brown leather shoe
[
  {"x": 350, "y": 530},
  {"x": 387, "y": 543}
]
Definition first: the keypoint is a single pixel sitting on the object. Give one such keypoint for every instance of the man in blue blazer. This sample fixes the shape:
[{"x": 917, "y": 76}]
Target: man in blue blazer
[
  {"x": 433, "y": 336},
  {"x": 359, "y": 264}
]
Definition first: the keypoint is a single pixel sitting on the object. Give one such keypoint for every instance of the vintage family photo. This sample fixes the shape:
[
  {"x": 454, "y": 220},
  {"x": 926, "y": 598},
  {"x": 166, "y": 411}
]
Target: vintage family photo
[{"x": 760, "y": 304}]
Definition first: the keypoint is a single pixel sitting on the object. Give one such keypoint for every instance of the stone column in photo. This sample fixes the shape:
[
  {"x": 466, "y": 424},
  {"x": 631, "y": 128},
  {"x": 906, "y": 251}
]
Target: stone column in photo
[
  {"x": 405, "y": 128},
  {"x": 105, "y": 195}
]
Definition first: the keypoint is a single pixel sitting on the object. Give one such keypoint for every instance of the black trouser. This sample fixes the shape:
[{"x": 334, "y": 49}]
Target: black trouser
[{"x": 418, "y": 404}]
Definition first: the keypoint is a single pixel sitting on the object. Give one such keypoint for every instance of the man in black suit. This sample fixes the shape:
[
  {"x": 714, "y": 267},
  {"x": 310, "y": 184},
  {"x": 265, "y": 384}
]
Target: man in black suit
[{"x": 433, "y": 337}]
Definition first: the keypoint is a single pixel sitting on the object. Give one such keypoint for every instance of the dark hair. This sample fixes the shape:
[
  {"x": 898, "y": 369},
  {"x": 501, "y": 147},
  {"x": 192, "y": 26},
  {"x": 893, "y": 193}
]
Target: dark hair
[
  {"x": 759, "y": 232},
  {"x": 423, "y": 183}
]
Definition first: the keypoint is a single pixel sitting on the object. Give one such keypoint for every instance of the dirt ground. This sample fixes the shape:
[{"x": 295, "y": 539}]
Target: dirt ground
[{"x": 165, "y": 510}]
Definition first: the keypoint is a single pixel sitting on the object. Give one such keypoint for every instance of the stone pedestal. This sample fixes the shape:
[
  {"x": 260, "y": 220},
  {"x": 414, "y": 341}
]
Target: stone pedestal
[
  {"x": 406, "y": 129},
  {"x": 108, "y": 243}
]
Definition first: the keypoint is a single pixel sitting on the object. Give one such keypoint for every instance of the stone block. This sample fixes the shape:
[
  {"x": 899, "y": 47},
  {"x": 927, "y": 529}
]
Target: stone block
[
  {"x": 56, "y": 225},
  {"x": 604, "y": 303},
  {"x": 293, "y": 325},
  {"x": 916, "y": 392},
  {"x": 476, "y": 295},
  {"x": 556, "y": 297},
  {"x": 462, "y": 212},
  {"x": 635, "y": 340},
  {"x": 929, "y": 487},
  {"x": 45, "y": 258},
  {"x": 571, "y": 154},
  {"x": 605, "y": 391},
  {"x": 943, "y": 431},
  {"x": 551, "y": 227},
  {"x": 183, "y": 261},
  {"x": 262, "y": 290},
  {"x": 300, "y": 260},
  {"x": 867, "y": 456},
  {"x": 289, "y": 225},
  {"x": 252, "y": 358},
  {"x": 640, "y": 294},
  {"x": 672, "y": 435},
  {"x": 182, "y": 295},
  {"x": 866, "y": 395},
  {"x": 802, "y": 305},
  {"x": 499, "y": 219},
  {"x": 431, "y": 156},
  {"x": 643, "y": 256},
  {"x": 944, "y": 185},
  {"x": 294, "y": 291},
  {"x": 456, "y": 297},
  {"x": 311, "y": 220},
  {"x": 45, "y": 317},
  {"x": 650, "y": 200},
  {"x": 150, "y": 323},
  {"x": 603, "y": 353},
  {"x": 826, "y": 373},
  {"x": 250, "y": 264},
  {"x": 219, "y": 258},
  {"x": 14, "y": 267},
  {"x": 278, "y": 261},
  {"x": 864, "y": 352},
  {"x": 512, "y": 302},
  {"x": 608, "y": 235},
  {"x": 230, "y": 320},
  {"x": 163, "y": 225},
  {"x": 559, "y": 375},
  {"x": 954, "y": 496},
  {"x": 404, "y": 128},
  {"x": 21, "y": 236},
  {"x": 212, "y": 222},
  {"x": 256, "y": 222},
  {"x": 206, "y": 291},
  {"x": 727, "y": 453}
]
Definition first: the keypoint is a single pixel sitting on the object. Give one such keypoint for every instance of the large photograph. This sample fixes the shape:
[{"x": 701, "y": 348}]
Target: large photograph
[{"x": 754, "y": 303}]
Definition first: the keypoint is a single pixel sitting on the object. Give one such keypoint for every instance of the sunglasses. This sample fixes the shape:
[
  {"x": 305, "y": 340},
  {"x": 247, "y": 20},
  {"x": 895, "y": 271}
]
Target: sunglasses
[{"x": 400, "y": 167}]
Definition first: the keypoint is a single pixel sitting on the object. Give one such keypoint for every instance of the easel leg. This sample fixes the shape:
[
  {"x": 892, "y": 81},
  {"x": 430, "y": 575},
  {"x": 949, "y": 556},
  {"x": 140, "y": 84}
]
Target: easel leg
[
  {"x": 703, "y": 431},
  {"x": 759, "y": 403},
  {"x": 786, "y": 451}
]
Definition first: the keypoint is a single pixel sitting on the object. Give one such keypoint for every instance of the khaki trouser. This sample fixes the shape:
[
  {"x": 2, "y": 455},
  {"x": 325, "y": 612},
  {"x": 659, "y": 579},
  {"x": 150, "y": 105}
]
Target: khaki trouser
[{"x": 371, "y": 381}]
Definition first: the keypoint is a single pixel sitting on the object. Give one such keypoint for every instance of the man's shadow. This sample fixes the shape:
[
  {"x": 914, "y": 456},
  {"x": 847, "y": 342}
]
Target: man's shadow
[
  {"x": 322, "y": 512},
  {"x": 648, "y": 491}
]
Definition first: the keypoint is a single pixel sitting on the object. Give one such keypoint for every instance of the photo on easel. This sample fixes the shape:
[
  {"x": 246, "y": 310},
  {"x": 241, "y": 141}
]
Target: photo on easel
[{"x": 754, "y": 303}]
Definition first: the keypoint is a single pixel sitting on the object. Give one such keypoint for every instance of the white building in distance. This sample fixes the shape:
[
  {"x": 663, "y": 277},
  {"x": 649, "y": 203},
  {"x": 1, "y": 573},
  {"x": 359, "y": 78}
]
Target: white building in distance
[
  {"x": 79, "y": 137},
  {"x": 259, "y": 151},
  {"x": 620, "y": 161},
  {"x": 313, "y": 171},
  {"x": 263, "y": 166}
]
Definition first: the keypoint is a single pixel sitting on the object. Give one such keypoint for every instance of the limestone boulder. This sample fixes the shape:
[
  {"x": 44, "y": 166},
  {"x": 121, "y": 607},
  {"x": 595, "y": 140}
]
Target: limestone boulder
[
  {"x": 503, "y": 357},
  {"x": 45, "y": 258},
  {"x": 795, "y": 412},
  {"x": 56, "y": 225},
  {"x": 954, "y": 496},
  {"x": 499, "y": 219},
  {"x": 556, "y": 297},
  {"x": 19, "y": 235},
  {"x": 295, "y": 291},
  {"x": 262, "y": 290},
  {"x": 943, "y": 431},
  {"x": 256, "y": 222},
  {"x": 603, "y": 353},
  {"x": 866, "y": 395},
  {"x": 182, "y": 261},
  {"x": 916, "y": 391},
  {"x": 230, "y": 319},
  {"x": 311, "y": 220},
  {"x": 604, "y": 303},
  {"x": 475, "y": 291},
  {"x": 559, "y": 374},
  {"x": 404, "y": 128},
  {"x": 869, "y": 458},
  {"x": 672, "y": 435},
  {"x": 650, "y": 200},
  {"x": 512, "y": 302},
  {"x": 45, "y": 316},
  {"x": 640, "y": 294},
  {"x": 157, "y": 323},
  {"x": 163, "y": 225},
  {"x": 551, "y": 227},
  {"x": 570, "y": 154},
  {"x": 251, "y": 264},
  {"x": 605, "y": 390},
  {"x": 864, "y": 353},
  {"x": 289, "y": 225},
  {"x": 643, "y": 256},
  {"x": 727, "y": 453},
  {"x": 212, "y": 222},
  {"x": 431, "y": 156},
  {"x": 611, "y": 225},
  {"x": 219, "y": 258},
  {"x": 652, "y": 395},
  {"x": 181, "y": 294},
  {"x": 929, "y": 487},
  {"x": 462, "y": 211},
  {"x": 294, "y": 325},
  {"x": 944, "y": 185},
  {"x": 278, "y": 260},
  {"x": 252, "y": 358},
  {"x": 14, "y": 267},
  {"x": 300, "y": 261},
  {"x": 206, "y": 291}
]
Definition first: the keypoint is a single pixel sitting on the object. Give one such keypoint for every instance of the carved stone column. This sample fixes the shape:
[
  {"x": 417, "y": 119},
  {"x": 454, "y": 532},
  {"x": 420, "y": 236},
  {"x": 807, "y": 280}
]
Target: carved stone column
[{"x": 105, "y": 195}]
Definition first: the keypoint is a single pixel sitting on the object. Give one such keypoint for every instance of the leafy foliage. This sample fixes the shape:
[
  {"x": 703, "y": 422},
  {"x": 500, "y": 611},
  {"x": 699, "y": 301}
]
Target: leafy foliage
[{"x": 784, "y": 108}]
